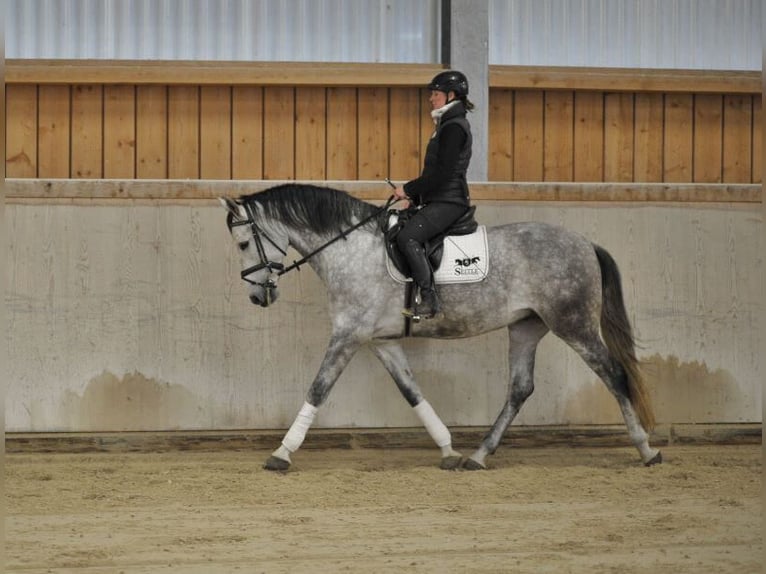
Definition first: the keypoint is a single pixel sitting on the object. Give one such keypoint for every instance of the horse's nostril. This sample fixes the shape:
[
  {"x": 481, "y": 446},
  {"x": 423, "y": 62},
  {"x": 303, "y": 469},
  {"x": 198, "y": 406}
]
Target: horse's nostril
[{"x": 254, "y": 300}]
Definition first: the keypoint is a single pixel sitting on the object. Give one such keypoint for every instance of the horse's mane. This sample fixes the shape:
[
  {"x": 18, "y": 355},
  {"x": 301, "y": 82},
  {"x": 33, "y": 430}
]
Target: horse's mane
[{"x": 321, "y": 209}]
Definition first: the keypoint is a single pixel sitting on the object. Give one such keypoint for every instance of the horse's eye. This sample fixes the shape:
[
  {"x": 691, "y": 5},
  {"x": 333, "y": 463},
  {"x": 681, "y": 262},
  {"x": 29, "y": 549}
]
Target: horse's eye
[{"x": 243, "y": 246}]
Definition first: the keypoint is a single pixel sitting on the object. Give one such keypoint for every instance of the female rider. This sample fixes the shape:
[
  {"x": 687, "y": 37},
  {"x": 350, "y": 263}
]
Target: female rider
[{"x": 440, "y": 194}]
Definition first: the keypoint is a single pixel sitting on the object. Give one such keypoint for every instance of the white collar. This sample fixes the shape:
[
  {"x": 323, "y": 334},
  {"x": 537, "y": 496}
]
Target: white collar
[{"x": 439, "y": 112}]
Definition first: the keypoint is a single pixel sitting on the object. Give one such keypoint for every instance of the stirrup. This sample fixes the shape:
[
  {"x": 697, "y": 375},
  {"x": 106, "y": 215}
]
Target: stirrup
[{"x": 414, "y": 316}]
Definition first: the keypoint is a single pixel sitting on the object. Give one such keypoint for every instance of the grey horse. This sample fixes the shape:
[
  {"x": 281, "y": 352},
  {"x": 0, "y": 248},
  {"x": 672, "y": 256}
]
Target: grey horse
[{"x": 543, "y": 278}]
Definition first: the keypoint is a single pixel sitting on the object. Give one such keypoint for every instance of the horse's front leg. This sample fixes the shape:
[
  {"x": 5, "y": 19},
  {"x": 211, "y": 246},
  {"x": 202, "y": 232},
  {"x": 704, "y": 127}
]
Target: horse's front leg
[
  {"x": 338, "y": 355},
  {"x": 393, "y": 358}
]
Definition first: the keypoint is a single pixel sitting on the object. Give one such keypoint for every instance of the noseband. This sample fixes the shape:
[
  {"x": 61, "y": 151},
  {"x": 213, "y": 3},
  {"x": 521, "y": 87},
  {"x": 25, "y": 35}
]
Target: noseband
[{"x": 269, "y": 285}]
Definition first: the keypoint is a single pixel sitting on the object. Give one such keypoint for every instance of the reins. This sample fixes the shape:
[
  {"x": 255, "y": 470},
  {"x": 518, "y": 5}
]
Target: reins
[
  {"x": 343, "y": 235},
  {"x": 280, "y": 268}
]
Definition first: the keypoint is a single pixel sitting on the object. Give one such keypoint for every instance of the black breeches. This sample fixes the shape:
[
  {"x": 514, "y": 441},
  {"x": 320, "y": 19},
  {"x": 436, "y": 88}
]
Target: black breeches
[{"x": 429, "y": 221}]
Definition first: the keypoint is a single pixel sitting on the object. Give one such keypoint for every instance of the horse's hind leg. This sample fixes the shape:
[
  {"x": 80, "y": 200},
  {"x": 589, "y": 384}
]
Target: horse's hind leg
[
  {"x": 524, "y": 337},
  {"x": 613, "y": 374},
  {"x": 393, "y": 358}
]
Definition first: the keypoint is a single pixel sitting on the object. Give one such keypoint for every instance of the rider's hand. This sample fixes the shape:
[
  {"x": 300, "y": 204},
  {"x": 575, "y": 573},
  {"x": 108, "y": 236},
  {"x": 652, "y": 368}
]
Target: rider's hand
[
  {"x": 402, "y": 197},
  {"x": 404, "y": 201}
]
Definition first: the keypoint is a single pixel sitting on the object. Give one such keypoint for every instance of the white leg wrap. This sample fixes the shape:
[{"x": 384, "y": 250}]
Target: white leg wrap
[
  {"x": 435, "y": 427},
  {"x": 294, "y": 437}
]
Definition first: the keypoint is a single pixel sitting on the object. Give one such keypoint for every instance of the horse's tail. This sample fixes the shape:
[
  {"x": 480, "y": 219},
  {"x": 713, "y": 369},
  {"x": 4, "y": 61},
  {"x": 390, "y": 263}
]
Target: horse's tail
[{"x": 618, "y": 335}]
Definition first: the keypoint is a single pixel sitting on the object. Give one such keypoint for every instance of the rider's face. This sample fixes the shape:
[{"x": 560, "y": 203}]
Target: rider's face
[{"x": 437, "y": 99}]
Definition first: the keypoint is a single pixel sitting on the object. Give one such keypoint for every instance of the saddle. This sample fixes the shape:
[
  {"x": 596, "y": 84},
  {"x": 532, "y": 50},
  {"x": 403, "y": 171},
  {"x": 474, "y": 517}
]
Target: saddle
[{"x": 393, "y": 222}]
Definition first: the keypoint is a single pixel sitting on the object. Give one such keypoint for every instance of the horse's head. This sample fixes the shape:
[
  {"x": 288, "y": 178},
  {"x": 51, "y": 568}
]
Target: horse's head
[{"x": 262, "y": 247}]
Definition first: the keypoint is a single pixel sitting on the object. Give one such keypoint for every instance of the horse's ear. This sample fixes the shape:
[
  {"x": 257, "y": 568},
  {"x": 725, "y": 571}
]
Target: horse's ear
[{"x": 231, "y": 206}]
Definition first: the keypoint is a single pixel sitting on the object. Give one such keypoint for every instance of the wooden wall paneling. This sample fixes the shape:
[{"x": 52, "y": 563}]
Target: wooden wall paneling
[
  {"x": 500, "y": 166},
  {"x": 708, "y": 138},
  {"x": 87, "y": 131},
  {"x": 678, "y": 129},
  {"x": 247, "y": 132},
  {"x": 618, "y": 137},
  {"x": 279, "y": 133},
  {"x": 373, "y": 133},
  {"x": 558, "y": 137},
  {"x": 370, "y": 74},
  {"x": 528, "y": 114},
  {"x": 215, "y": 132},
  {"x": 183, "y": 132},
  {"x": 151, "y": 132},
  {"x": 119, "y": 131},
  {"x": 737, "y": 134},
  {"x": 53, "y": 127},
  {"x": 155, "y": 131},
  {"x": 648, "y": 137},
  {"x": 757, "y": 139},
  {"x": 21, "y": 130},
  {"x": 310, "y": 133},
  {"x": 404, "y": 155},
  {"x": 631, "y": 79},
  {"x": 588, "y": 136},
  {"x": 342, "y": 152}
]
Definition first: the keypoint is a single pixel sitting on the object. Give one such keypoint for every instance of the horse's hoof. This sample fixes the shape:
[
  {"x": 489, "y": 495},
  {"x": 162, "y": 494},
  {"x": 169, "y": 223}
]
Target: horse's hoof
[
  {"x": 657, "y": 459},
  {"x": 451, "y": 462},
  {"x": 276, "y": 464},
  {"x": 471, "y": 464}
]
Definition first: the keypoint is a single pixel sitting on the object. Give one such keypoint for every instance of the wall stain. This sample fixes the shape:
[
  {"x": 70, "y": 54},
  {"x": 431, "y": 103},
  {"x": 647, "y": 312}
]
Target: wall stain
[
  {"x": 691, "y": 392},
  {"x": 131, "y": 403},
  {"x": 682, "y": 392}
]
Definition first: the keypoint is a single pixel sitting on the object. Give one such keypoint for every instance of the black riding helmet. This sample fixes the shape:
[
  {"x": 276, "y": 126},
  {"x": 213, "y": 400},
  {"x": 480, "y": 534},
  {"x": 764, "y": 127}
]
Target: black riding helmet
[{"x": 450, "y": 81}]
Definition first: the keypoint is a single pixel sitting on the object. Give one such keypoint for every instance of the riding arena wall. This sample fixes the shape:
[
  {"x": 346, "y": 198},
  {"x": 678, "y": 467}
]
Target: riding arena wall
[
  {"x": 125, "y": 309},
  {"x": 244, "y": 120}
]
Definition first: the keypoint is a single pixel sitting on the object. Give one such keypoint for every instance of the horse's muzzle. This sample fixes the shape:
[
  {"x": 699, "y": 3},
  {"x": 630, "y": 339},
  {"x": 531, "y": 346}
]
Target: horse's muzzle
[
  {"x": 265, "y": 297},
  {"x": 255, "y": 300}
]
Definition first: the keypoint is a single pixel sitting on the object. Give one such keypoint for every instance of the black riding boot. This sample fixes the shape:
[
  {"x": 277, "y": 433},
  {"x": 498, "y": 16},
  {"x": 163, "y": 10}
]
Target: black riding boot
[
  {"x": 423, "y": 278},
  {"x": 429, "y": 303}
]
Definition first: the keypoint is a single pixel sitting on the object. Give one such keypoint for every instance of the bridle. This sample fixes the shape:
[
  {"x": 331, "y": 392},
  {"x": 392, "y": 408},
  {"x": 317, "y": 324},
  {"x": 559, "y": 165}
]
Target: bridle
[{"x": 274, "y": 267}]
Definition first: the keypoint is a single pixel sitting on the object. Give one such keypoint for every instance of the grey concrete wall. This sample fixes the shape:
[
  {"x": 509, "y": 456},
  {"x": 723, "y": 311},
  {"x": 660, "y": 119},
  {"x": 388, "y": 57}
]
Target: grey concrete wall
[
  {"x": 469, "y": 53},
  {"x": 133, "y": 317}
]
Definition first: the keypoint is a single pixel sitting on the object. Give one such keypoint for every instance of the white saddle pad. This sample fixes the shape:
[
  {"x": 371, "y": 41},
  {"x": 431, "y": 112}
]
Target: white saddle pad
[{"x": 464, "y": 260}]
